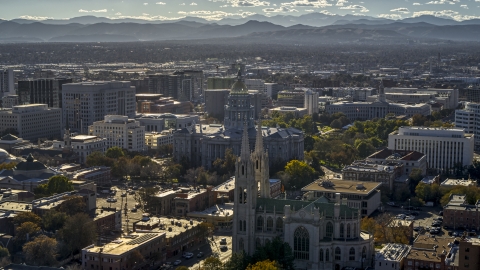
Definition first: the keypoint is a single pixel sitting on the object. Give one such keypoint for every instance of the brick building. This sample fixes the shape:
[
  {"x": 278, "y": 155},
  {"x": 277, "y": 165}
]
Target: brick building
[
  {"x": 432, "y": 253},
  {"x": 458, "y": 214}
]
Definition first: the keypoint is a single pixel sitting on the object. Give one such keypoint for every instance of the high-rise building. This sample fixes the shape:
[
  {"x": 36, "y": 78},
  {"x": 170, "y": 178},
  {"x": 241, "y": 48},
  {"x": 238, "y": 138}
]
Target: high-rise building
[
  {"x": 120, "y": 131},
  {"x": 6, "y": 82},
  {"x": 196, "y": 77},
  {"x": 215, "y": 100},
  {"x": 220, "y": 83},
  {"x": 88, "y": 102},
  {"x": 258, "y": 219},
  {"x": 255, "y": 84},
  {"x": 179, "y": 87},
  {"x": 445, "y": 149},
  {"x": 311, "y": 101},
  {"x": 271, "y": 90},
  {"x": 468, "y": 119},
  {"x": 42, "y": 91},
  {"x": 33, "y": 121}
]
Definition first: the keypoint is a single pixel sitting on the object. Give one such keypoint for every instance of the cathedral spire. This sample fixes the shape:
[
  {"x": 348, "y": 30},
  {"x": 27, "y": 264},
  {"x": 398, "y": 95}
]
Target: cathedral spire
[
  {"x": 245, "y": 152},
  {"x": 259, "y": 139}
]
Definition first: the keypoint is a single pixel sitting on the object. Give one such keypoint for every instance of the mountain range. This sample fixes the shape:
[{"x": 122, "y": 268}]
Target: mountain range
[{"x": 309, "y": 28}]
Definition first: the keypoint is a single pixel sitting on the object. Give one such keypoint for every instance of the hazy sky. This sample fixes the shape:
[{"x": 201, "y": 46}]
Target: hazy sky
[{"x": 218, "y": 9}]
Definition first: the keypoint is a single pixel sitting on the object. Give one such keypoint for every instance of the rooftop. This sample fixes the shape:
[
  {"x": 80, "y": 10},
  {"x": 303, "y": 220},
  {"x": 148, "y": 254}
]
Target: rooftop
[
  {"x": 427, "y": 248},
  {"x": 15, "y": 206},
  {"x": 225, "y": 186},
  {"x": 459, "y": 182},
  {"x": 125, "y": 243},
  {"x": 396, "y": 155},
  {"x": 393, "y": 252},
  {"x": 342, "y": 186}
]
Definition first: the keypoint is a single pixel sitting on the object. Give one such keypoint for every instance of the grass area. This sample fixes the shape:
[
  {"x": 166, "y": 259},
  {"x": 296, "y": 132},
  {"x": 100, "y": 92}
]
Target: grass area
[{"x": 324, "y": 128}]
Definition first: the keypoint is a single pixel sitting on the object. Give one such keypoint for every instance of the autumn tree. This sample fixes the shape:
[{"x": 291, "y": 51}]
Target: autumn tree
[
  {"x": 4, "y": 252},
  {"x": 78, "y": 232},
  {"x": 26, "y": 232},
  {"x": 23, "y": 217},
  {"x": 73, "y": 205},
  {"x": 212, "y": 263},
  {"x": 41, "y": 251},
  {"x": 264, "y": 265}
]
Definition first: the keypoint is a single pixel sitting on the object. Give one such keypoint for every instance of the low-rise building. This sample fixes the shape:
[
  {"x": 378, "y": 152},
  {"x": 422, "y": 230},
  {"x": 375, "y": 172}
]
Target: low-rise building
[
  {"x": 107, "y": 219},
  {"x": 297, "y": 112},
  {"x": 459, "y": 182},
  {"x": 120, "y": 131},
  {"x": 120, "y": 253},
  {"x": 190, "y": 200},
  {"x": 154, "y": 140},
  {"x": 458, "y": 214},
  {"x": 364, "y": 196},
  {"x": 391, "y": 256},
  {"x": 100, "y": 175},
  {"x": 432, "y": 253},
  {"x": 225, "y": 190},
  {"x": 220, "y": 215},
  {"x": 81, "y": 145},
  {"x": 469, "y": 253},
  {"x": 410, "y": 159},
  {"x": 372, "y": 172}
]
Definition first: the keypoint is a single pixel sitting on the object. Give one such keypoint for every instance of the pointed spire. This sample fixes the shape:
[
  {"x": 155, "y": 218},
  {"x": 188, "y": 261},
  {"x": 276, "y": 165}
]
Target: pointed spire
[
  {"x": 245, "y": 152},
  {"x": 259, "y": 139}
]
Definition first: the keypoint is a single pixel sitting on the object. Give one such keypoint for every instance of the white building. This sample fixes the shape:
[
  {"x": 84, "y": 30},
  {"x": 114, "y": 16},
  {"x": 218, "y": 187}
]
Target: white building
[
  {"x": 87, "y": 102},
  {"x": 82, "y": 145},
  {"x": 255, "y": 84},
  {"x": 155, "y": 139},
  {"x": 458, "y": 182},
  {"x": 6, "y": 82},
  {"x": 444, "y": 148},
  {"x": 448, "y": 97},
  {"x": 469, "y": 119},
  {"x": 371, "y": 110},
  {"x": 311, "y": 101},
  {"x": 391, "y": 256},
  {"x": 120, "y": 131},
  {"x": 33, "y": 121},
  {"x": 357, "y": 93},
  {"x": 167, "y": 121}
]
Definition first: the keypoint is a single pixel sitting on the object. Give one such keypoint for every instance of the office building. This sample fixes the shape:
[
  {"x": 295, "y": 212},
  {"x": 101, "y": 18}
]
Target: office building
[
  {"x": 311, "y": 101},
  {"x": 156, "y": 103},
  {"x": 271, "y": 90},
  {"x": 120, "y": 131},
  {"x": 410, "y": 159},
  {"x": 215, "y": 100},
  {"x": 448, "y": 97},
  {"x": 391, "y": 256},
  {"x": 291, "y": 98},
  {"x": 88, "y": 102},
  {"x": 7, "y": 82},
  {"x": 201, "y": 144},
  {"x": 469, "y": 120},
  {"x": 167, "y": 121},
  {"x": 9, "y": 101},
  {"x": 33, "y": 121},
  {"x": 449, "y": 182},
  {"x": 255, "y": 84},
  {"x": 81, "y": 145},
  {"x": 297, "y": 112},
  {"x": 43, "y": 91},
  {"x": 220, "y": 83},
  {"x": 154, "y": 139},
  {"x": 196, "y": 82},
  {"x": 387, "y": 174},
  {"x": 443, "y": 148},
  {"x": 179, "y": 87},
  {"x": 364, "y": 196},
  {"x": 322, "y": 234},
  {"x": 356, "y": 93}
]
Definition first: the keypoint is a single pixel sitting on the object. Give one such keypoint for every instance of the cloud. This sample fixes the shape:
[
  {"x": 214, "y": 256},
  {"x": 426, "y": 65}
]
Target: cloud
[
  {"x": 401, "y": 10},
  {"x": 35, "y": 18},
  {"x": 193, "y": 4},
  {"x": 283, "y": 9},
  {"x": 446, "y": 13},
  {"x": 182, "y": 4},
  {"x": 464, "y": 6},
  {"x": 214, "y": 15},
  {"x": 160, "y": 3},
  {"x": 356, "y": 7},
  {"x": 93, "y": 11},
  {"x": 442, "y": 2},
  {"x": 244, "y": 3},
  {"x": 118, "y": 14},
  {"x": 145, "y": 4},
  {"x": 147, "y": 18},
  {"x": 308, "y": 3},
  {"x": 341, "y": 3},
  {"x": 417, "y": 4},
  {"x": 390, "y": 16}
]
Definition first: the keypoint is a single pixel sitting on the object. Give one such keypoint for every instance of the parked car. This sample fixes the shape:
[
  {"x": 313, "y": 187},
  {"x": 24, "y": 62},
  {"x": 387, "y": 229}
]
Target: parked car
[
  {"x": 188, "y": 255},
  {"x": 223, "y": 248},
  {"x": 177, "y": 262},
  {"x": 124, "y": 194},
  {"x": 134, "y": 209},
  {"x": 200, "y": 254},
  {"x": 409, "y": 218},
  {"x": 391, "y": 203},
  {"x": 223, "y": 241}
]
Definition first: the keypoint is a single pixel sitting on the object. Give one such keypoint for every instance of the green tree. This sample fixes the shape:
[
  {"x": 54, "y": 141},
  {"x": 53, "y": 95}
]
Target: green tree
[
  {"x": 73, "y": 205},
  {"x": 135, "y": 258},
  {"x": 78, "y": 232},
  {"x": 300, "y": 173},
  {"x": 99, "y": 159},
  {"x": 56, "y": 184},
  {"x": 237, "y": 261},
  {"x": 336, "y": 124},
  {"x": 415, "y": 178},
  {"x": 53, "y": 220},
  {"x": 41, "y": 251},
  {"x": 4, "y": 252},
  {"x": 26, "y": 232},
  {"x": 276, "y": 250},
  {"x": 114, "y": 152},
  {"x": 365, "y": 149},
  {"x": 264, "y": 265},
  {"x": 23, "y": 217},
  {"x": 212, "y": 263},
  {"x": 225, "y": 165}
]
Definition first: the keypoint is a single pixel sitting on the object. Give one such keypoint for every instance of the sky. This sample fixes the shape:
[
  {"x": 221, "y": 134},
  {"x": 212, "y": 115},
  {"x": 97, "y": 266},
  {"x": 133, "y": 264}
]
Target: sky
[{"x": 219, "y": 9}]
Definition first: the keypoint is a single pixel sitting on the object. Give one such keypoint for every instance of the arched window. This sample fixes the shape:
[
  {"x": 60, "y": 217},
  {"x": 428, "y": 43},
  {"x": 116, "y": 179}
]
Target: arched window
[
  {"x": 348, "y": 231},
  {"x": 241, "y": 245},
  {"x": 342, "y": 229},
  {"x": 240, "y": 224},
  {"x": 243, "y": 170},
  {"x": 329, "y": 230},
  {"x": 240, "y": 196},
  {"x": 364, "y": 253},
  {"x": 260, "y": 223},
  {"x": 258, "y": 243},
  {"x": 327, "y": 255},
  {"x": 321, "y": 255},
  {"x": 351, "y": 254},
  {"x": 269, "y": 224},
  {"x": 301, "y": 244},
  {"x": 338, "y": 254},
  {"x": 279, "y": 225},
  {"x": 244, "y": 225},
  {"x": 355, "y": 230}
]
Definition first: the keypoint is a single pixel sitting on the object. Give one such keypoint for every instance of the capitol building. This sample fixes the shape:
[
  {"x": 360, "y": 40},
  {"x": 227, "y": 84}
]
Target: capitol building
[{"x": 201, "y": 144}]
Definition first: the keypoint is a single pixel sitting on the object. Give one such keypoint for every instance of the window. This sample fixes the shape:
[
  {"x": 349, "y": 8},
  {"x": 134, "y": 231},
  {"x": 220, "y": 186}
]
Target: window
[
  {"x": 410, "y": 263},
  {"x": 364, "y": 252},
  {"x": 351, "y": 254},
  {"x": 241, "y": 244},
  {"x": 467, "y": 249},
  {"x": 301, "y": 244},
  {"x": 258, "y": 243},
  {"x": 321, "y": 255},
  {"x": 329, "y": 229},
  {"x": 338, "y": 254},
  {"x": 342, "y": 228},
  {"x": 355, "y": 230},
  {"x": 260, "y": 224},
  {"x": 348, "y": 231},
  {"x": 269, "y": 224},
  {"x": 467, "y": 258},
  {"x": 327, "y": 255},
  {"x": 279, "y": 225}
]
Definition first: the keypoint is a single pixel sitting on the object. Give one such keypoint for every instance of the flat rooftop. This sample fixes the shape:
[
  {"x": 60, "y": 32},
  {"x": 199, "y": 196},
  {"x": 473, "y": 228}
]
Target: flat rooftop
[
  {"x": 225, "y": 186},
  {"x": 393, "y": 252},
  {"x": 16, "y": 206},
  {"x": 428, "y": 248},
  {"x": 342, "y": 186},
  {"x": 165, "y": 225},
  {"x": 459, "y": 182},
  {"x": 125, "y": 243}
]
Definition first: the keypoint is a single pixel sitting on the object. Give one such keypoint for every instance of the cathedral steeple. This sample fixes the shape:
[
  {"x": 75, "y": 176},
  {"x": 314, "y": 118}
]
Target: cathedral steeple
[
  {"x": 260, "y": 160},
  {"x": 245, "y": 152},
  {"x": 259, "y": 138}
]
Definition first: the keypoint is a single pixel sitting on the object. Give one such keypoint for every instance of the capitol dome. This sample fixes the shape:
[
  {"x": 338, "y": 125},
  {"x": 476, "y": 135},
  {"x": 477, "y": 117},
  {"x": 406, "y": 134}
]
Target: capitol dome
[
  {"x": 239, "y": 87},
  {"x": 4, "y": 155}
]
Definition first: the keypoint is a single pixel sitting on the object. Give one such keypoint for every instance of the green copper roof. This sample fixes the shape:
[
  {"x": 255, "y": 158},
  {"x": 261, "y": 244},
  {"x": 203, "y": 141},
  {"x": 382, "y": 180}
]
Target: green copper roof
[{"x": 239, "y": 88}]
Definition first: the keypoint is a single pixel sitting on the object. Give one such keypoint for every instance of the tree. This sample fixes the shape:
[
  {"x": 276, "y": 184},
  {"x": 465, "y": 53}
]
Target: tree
[
  {"x": 78, "y": 232},
  {"x": 336, "y": 124},
  {"x": 114, "y": 152},
  {"x": 26, "y": 231},
  {"x": 212, "y": 263},
  {"x": 264, "y": 265},
  {"x": 4, "y": 252},
  {"x": 135, "y": 258},
  {"x": 225, "y": 165},
  {"x": 182, "y": 267},
  {"x": 300, "y": 172},
  {"x": 415, "y": 177},
  {"x": 56, "y": 184},
  {"x": 41, "y": 251},
  {"x": 237, "y": 261},
  {"x": 73, "y": 205},
  {"x": 98, "y": 159},
  {"x": 53, "y": 220},
  {"x": 23, "y": 217},
  {"x": 365, "y": 149},
  {"x": 146, "y": 200}
]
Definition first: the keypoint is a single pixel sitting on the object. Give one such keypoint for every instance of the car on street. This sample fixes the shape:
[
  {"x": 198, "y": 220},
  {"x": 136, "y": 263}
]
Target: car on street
[
  {"x": 223, "y": 247},
  {"x": 124, "y": 194},
  {"x": 111, "y": 199},
  {"x": 391, "y": 203},
  {"x": 200, "y": 254},
  {"x": 134, "y": 209},
  {"x": 223, "y": 241},
  {"x": 455, "y": 234},
  {"x": 177, "y": 262},
  {"x": 401, "y": 216},
  {"x": 188, "y": 256},
  {"x": 409, "y": 218},
  {"x": 298, "y": 198}
]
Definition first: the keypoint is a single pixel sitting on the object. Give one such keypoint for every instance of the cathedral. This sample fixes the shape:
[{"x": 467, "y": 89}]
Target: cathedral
[
  {"x": 201, "y": 144},
  {"x": 323, "y": 234}
]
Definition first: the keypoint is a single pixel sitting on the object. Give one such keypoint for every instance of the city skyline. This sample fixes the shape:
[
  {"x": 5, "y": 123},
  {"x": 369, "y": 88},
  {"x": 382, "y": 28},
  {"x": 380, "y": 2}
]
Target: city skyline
[{"x": 220, "y": 9}]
